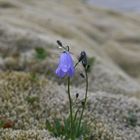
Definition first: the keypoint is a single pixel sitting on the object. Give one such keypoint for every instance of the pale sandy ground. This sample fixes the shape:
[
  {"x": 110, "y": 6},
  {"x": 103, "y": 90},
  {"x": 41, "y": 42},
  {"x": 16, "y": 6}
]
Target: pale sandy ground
[{"x": 112, "y": 38}]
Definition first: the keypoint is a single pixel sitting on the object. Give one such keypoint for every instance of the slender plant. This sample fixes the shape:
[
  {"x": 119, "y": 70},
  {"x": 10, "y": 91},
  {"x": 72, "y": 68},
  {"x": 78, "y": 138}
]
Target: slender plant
[{"x": 73, "y": 127}]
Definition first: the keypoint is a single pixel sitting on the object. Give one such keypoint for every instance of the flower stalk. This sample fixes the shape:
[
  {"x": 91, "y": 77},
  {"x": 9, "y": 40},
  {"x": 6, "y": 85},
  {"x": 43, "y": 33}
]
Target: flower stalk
[
  {"x": 70, "y": 107},
  {"x": 73, "y": 126},
  {"x": 85, "y": 100}
]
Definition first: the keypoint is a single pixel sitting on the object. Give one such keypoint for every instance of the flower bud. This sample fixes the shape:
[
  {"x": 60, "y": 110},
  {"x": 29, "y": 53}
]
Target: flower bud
[
  {"x": 82, "y": 55},
  {"x": 83, "y": 58},
  {"x": 83, "y": 103},
  {"x": 59, "y": 43},
  {"x": 82, "y": 75},
  {"x": 77, "y": 95}
]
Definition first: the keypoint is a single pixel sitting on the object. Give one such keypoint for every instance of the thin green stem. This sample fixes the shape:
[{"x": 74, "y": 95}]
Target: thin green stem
[
  {"x": 76, "y": 64},
  {"x": 76, "y": 113},
  {"x": 70, "y": 107},
  {"x": 85, "y": 100}
]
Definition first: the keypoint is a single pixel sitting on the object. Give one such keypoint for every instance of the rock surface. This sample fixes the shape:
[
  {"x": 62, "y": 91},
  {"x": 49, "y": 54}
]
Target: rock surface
[{"x": 27, "y": 27}]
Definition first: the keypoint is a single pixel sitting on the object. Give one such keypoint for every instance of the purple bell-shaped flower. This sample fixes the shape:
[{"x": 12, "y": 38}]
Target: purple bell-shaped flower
[{"x": 66, "y": 65}]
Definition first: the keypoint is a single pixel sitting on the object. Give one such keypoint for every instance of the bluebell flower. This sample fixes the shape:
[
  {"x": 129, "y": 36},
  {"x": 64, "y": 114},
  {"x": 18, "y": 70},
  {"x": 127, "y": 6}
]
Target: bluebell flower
[{"x": 66, "y": 65}]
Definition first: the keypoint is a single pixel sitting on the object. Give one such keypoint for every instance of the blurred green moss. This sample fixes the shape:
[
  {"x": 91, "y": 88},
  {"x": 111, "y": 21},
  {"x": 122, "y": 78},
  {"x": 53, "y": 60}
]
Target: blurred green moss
[
  {"x": 41, "y": 53},
  {"x": 6, "y": 4},
  {"x": 32, "y": 99},
  {"x": 91, "y": 61}
]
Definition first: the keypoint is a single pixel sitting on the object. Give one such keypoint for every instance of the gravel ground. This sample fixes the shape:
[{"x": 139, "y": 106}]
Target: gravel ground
[{"x": 28, "y": 103}]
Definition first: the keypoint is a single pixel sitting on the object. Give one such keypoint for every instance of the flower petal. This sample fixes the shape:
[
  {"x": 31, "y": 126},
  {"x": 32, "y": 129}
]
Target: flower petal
[
  {"x": 66, "y": 66},
  {"x": 60, "y": 73},
  {"x": 71, "y": 72}
]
